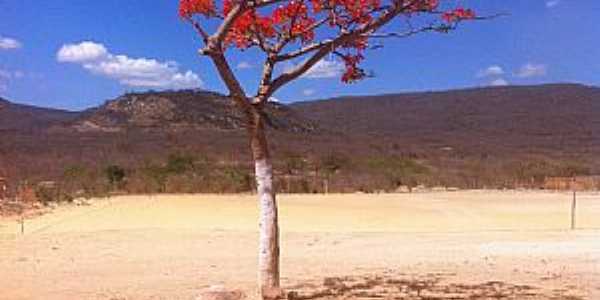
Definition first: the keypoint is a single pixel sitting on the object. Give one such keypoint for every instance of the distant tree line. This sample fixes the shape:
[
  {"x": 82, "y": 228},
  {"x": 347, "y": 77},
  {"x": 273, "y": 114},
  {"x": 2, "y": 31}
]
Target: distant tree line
[{"x": 332, "y": 172}]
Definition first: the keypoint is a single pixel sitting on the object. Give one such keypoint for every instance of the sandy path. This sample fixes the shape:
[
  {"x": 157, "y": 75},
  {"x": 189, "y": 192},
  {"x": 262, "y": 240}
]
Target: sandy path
[{"x": 169, "y": 247}]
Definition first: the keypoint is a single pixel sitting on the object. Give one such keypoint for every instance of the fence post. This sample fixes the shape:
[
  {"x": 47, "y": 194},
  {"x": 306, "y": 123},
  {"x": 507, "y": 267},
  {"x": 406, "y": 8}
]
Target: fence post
[{"x": 573, "y": 204}]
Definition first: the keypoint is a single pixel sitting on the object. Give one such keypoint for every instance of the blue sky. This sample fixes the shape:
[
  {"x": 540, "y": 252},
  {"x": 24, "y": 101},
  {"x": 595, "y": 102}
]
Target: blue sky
[{"x": 541, "y": 41}]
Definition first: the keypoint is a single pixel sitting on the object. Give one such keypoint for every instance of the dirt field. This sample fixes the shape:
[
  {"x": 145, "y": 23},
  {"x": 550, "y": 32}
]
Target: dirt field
[{"x": 461, "y": 245}]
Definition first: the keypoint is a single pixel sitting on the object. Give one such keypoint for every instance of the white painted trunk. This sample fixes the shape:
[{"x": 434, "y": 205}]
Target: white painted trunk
[{"x": 268, "y": 256}]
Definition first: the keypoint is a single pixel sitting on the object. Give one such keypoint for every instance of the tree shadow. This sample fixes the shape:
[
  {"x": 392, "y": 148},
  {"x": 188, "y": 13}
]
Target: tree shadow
[{"x": 427, "y": 287}]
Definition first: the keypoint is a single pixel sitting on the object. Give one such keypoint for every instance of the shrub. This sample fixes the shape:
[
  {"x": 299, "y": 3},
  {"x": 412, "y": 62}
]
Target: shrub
[
  {"x": 115, "y": 175},
  {"x": 398, "y": 171},
  {"x": 179, "y": 164}
]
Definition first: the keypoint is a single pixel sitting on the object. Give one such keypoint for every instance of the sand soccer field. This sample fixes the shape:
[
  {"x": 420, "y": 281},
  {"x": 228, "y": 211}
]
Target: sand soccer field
[{"x": 459, "y": 245}]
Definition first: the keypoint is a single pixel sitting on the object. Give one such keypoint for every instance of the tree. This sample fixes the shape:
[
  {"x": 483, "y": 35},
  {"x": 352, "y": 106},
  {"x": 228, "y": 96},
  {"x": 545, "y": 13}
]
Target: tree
[
  {"x": 330, "y": 165},
  {"x": 115, "y": 175},
  {"x": 306, "y": 30}
]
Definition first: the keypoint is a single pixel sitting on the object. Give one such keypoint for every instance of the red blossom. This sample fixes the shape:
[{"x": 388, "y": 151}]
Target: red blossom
[
  {"x": 353, "y": 73},
  {"x": 295, "y": 20},
  {"x": 424, "y": 5},
  {"x": 188, "y": 8},
  {"x": 458, "y": 14}
]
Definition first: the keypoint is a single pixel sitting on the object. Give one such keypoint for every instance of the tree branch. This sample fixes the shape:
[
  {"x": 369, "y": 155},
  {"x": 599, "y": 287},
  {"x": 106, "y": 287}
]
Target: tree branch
[
  {"x": 325, "y": 47},
  {"x": 407, "y": 33},
  {"x": 259, "y": 4},
  {"x": 233, "y": 85},
  {"x": 215, "y": 41},
  {"x": 303, "y": 51},
  {"x": 200, "y": 30},
  {"x": 263, "y": 94}
]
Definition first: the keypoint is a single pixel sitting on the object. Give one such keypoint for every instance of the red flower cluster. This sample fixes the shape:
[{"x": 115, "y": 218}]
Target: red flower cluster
[
  {"x": 424, "y": 5},
  {"x": 458, "y": 14},
  {"x": 353, "y": 72},
  {"x": 188, "y": 8},
  {"x": 247, "y": 27},
  {"x": 294, "y": 9},
  {"x": 294, "y": 20},
  {"x": 346, "y": 13}
]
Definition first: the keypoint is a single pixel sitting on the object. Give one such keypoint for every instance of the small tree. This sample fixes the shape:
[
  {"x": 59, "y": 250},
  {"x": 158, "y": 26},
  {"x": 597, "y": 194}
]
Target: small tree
[
  {"x": 115, "y": 175},
  {"x": 329, "y": 166},
  {"x": 306, "y": 30}
]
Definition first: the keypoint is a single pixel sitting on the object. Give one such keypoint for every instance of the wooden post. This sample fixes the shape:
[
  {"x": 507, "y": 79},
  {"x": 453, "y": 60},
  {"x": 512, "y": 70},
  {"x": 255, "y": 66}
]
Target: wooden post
[
  {"x": 573, "y": 204},
  {"x": 573, "y": 207}
]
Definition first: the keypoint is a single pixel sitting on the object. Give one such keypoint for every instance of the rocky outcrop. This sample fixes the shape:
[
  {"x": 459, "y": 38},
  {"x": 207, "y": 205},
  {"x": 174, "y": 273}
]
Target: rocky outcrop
[{"x": 182, "y": 109}]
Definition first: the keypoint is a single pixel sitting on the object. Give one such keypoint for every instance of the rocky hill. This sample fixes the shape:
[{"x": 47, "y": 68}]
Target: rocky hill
[{"x": 181, "y": 110}]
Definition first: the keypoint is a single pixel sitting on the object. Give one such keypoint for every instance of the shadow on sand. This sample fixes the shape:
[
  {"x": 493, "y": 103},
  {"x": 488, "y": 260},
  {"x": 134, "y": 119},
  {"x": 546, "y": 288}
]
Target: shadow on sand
[{"x": 428, "y": 287}]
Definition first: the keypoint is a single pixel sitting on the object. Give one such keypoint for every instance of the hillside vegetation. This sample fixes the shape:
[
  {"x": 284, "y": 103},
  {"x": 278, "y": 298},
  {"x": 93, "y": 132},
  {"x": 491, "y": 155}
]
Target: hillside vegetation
[{"x": 194, "y": 141}]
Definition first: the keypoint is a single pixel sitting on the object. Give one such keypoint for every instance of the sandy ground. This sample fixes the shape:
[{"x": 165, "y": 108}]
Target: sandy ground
[{"x": 460, "y": 245}]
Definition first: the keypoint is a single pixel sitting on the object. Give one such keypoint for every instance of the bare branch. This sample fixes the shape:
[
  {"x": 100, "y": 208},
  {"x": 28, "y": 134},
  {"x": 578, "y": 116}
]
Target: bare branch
[
  {"x": 233, "y": 85},
  {"x": 498, "y": 15},
  {"x": 304, "y": 50},
  {"x": 200, "y": 30},
  {"x": 407, "y": 33}
]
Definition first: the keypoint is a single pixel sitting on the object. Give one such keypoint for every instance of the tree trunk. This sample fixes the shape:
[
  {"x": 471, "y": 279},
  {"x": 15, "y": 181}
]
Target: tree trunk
[{"x": 268, "y": 256}]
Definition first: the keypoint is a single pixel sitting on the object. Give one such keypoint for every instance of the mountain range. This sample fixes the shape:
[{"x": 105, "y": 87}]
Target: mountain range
[{"x": 558, "y": 122}]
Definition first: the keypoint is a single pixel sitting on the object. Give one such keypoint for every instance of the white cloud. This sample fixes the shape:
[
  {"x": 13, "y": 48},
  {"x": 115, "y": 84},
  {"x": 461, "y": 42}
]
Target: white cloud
[
  {"x": 498, "y": 82},
  {"x": 135, "y": 72},
  {"x": 244, "y": 65},
  {"x": 493, "y": 70},
  {"x": 308, "y": 92},
  {"x": 552, "y": 3},
  {"x": 275, "y": 100},
  {"x": 531, "y": 70},
  {"x": 82, "y": 52},
  {"x": 323, "y": 69},
  {"x": 9, "y": 44}
]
